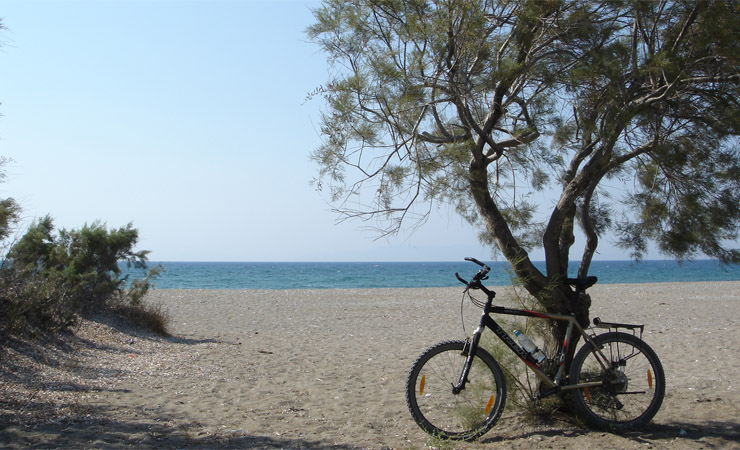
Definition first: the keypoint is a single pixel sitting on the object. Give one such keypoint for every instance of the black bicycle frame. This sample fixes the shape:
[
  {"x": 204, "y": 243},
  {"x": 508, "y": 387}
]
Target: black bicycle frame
[{"x": 487, "y": 322}]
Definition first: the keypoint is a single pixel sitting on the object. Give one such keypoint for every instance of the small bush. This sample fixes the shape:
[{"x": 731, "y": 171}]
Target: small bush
[
  {"x": 48, "y": 279},
  {"x": 150, "y": 317},
  {"x": 139, "y": 287}
]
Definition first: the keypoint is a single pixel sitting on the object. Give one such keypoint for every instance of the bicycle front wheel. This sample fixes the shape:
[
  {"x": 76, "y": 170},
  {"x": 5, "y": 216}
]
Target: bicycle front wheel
[
  {"x": 438, "y": 410},
  {"x": 632, "y": 382}
]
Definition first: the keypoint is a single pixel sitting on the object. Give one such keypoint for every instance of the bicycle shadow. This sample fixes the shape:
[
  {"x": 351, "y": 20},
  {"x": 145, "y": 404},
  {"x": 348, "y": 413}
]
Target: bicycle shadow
[{"x": 560, "y": 427}]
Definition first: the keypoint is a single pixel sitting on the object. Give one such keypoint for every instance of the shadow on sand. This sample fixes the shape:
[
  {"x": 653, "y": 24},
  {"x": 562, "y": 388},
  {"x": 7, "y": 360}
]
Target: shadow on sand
[
  {"x": 712, "y": 434},
  {"x": 80, "y": 433}
]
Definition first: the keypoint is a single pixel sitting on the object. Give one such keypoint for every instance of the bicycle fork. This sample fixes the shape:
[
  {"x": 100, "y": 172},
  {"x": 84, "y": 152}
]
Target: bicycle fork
[{"x": 469, "y": 349}]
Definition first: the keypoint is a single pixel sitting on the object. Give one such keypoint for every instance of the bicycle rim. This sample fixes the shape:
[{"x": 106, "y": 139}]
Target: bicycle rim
[
  {"x": 633, "y": 385},
  {"x": 440, "y": 412}
]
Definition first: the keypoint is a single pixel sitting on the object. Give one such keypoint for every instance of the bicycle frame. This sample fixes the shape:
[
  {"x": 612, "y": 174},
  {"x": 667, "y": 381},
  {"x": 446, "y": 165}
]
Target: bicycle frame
[{"x": 555, "y": 384}]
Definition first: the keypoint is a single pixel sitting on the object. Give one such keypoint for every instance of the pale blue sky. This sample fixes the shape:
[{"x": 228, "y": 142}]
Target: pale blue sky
[{"x": 189, "y": 119}]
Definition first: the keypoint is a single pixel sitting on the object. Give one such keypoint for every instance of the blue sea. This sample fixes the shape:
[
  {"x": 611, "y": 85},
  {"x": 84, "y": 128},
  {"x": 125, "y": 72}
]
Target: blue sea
[{"x": 328, "y": 275}]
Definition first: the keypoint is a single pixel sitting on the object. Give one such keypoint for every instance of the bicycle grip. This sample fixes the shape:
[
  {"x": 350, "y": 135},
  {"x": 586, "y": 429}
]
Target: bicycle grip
[
  {"x": 468, "y": 258},
  {"x": 461, "y": 279}
]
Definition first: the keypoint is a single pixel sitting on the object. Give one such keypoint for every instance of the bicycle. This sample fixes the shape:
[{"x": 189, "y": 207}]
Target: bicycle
[{"x": 456, "y": 390}]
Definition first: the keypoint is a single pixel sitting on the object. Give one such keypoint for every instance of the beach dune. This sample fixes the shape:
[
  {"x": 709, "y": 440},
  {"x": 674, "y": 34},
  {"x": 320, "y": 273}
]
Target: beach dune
[{"x": 327, "y": 369}]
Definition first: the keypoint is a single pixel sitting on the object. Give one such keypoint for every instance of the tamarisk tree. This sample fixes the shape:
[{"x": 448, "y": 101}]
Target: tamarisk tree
[{"x": 624, "y": 112}]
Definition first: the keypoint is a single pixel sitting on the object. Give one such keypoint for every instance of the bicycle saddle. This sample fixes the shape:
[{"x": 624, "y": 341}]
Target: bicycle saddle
[{"x": 581, "y": 284}]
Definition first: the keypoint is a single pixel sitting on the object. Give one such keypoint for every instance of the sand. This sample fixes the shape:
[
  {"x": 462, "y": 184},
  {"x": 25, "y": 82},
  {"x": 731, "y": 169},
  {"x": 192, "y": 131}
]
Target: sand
[{"x": 327, "y": 368}]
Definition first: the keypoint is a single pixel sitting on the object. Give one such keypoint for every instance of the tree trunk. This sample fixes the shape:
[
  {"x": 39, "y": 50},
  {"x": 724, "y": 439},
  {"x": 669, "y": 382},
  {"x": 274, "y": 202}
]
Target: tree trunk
[
  {"x": 532, "y": 279},
  {"x": 550, "y": 290}
]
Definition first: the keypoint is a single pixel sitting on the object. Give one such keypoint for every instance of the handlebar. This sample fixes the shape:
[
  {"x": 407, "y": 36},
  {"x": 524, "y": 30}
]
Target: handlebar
[{"x": 475, "y": 283}]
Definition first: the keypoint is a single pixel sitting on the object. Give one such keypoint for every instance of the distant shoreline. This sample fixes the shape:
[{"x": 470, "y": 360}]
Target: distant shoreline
[
  {"x": 338, "y": 275},
  {"x": 413, "y": 261},
  {"x": 437, "y": 288}
]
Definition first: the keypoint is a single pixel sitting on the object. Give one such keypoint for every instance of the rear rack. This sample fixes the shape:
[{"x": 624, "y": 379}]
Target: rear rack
[{"x": 598, "y": 323}]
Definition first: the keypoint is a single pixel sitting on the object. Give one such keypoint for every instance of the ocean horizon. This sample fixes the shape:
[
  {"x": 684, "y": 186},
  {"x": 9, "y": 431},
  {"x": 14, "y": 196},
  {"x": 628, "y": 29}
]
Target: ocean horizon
[{"x": 342, "y": 275}]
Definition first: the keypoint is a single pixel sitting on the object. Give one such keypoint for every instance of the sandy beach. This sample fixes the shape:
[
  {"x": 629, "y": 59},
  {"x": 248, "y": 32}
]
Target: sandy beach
[{"x": 326, "y": 369}]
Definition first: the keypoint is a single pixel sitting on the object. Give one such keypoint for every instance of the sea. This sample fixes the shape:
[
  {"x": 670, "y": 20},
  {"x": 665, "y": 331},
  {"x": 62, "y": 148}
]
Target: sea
[{"x": 334, "y": 275}]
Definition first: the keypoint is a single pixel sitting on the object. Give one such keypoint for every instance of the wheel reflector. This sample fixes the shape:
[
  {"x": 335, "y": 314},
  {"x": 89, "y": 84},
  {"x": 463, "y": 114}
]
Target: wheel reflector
[
  {"x": 587, "y": 394},
  {"x": 650, "y": 379},
  {"x": 421, "y": 384},
  {"x": 488, "y": 406}
]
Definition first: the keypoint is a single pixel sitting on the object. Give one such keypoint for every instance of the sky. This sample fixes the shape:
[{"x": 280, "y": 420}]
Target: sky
[{"x": 190, "y": 120}]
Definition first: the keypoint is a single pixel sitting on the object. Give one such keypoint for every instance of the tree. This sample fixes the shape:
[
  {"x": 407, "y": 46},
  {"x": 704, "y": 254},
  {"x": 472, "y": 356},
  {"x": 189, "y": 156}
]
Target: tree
[{"x": 625, "y": 111}]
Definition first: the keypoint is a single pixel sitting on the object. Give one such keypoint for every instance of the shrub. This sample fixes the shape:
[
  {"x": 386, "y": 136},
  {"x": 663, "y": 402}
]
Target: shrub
[
  {"x": 48, "y": 279},
  {"x": 33, "y": 303},
  {"x": 152, "y": 317}
]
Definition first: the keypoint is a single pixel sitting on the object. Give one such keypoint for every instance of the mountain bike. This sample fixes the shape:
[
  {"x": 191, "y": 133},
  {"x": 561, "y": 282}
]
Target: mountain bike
[{"x": 456, "y": 389}]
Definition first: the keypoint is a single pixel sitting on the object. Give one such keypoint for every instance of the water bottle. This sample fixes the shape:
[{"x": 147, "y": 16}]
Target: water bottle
[{"x": 529, "y": 346}]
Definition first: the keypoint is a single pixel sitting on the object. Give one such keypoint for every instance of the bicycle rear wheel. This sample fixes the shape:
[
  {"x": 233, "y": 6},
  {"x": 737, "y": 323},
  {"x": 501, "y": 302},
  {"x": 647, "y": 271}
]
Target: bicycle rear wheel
[
  {"x": 633, "y": 383},
  {"x": 439, "y": 411}
]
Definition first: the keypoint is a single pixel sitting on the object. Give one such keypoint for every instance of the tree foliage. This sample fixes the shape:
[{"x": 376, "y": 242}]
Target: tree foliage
[
  {"x": 656, "y": 103},
  {"x": 624, "y": 114}
]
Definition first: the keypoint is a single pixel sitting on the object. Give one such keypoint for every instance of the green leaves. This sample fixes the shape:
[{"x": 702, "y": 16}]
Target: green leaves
[
  {"x": 687, "y": 199},
  {"x": 49, "y": 277}
]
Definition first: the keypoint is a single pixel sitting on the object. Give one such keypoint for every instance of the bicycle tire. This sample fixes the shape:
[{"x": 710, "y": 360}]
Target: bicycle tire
[
  {"x": 437, "y": 410},
  {"x": 634, "y": 385}
]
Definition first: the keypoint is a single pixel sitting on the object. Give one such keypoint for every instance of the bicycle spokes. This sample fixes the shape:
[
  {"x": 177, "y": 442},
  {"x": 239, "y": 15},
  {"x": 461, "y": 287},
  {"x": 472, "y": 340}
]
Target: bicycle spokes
[
  {"x": 442, "y": 409},
  {"x": 628, "y": 391}
]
